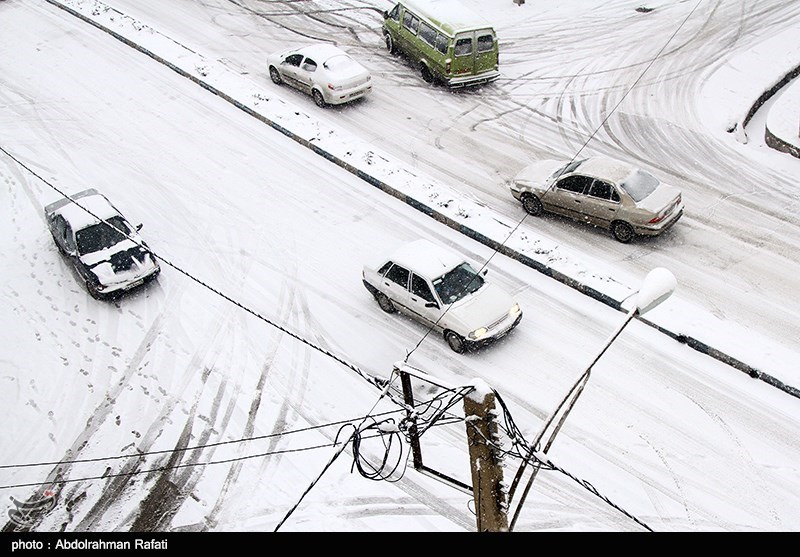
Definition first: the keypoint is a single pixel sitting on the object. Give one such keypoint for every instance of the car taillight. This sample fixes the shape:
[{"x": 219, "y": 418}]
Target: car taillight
[
  {"x": 333, "y": 87},
  {"x": 656, "y": 219}
]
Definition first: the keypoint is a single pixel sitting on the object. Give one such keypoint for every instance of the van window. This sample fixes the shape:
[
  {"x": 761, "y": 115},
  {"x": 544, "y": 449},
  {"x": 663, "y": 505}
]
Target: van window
[
  {"x": 463, "y": 47},
  {"x": 485, "y": 43},
  {"x": 410, "y": 22},
  {"x": 442, "y": 43},
  {"x": 427, "y": 33}
]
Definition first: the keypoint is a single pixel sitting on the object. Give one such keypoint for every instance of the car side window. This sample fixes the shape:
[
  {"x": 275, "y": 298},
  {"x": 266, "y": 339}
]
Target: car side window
[
  {"x": 410, "y": 22},
  {"x": 399, "y": 275},
  {"x": 575, "y": 183},
  {"x": 463, "y": 47},
  {"x": 419, "y": 287},
  {"x": 601, "y": 190},
  {"x": 384, "y": 268},
  {"x": 294, "y": 59},
  {"x": 309, "y": 65},
  {"x": 395, "y": 13}
]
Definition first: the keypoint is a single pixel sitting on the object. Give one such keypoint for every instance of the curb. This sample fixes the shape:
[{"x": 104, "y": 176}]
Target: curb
[{"x": 525, "y": 260}]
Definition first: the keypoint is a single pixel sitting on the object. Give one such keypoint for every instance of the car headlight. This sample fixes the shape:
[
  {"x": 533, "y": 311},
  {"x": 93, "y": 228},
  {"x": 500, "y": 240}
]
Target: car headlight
[
  {"x": 478, "y": 333},
  {"x": 515, "y": 310}
]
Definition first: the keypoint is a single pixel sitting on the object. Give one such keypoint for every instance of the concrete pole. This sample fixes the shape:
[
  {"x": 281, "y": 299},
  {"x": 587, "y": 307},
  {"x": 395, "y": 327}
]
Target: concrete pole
[{"x": 487, "y": 473}]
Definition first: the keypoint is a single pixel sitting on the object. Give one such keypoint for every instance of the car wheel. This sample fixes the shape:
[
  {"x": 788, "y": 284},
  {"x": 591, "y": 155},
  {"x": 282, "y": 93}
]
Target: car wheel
[
  {"x": 274, "y": 75},
  {"x": 385, "y": 303},
  {"x": 532, "y": 205},
  {"x": 455, "y": 341},
  {"x": 318, "y": 98},
  {"x": 390, "y": 44},
  {"x": 622, "y": 231},
  {"x": 427, "y": 76}
]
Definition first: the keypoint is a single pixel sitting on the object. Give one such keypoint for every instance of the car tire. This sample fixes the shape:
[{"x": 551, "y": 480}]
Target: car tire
[
  {"x": 455, "y": 341},
  {"x": 532, "y": 205},
  {"x": 319, "y": 100},
  {"x": 427, "y": 76},
  {"x": 622, "y": 231},
  {"x": 385, "y": 303},
  {"x": 390, "y": 44},
  {"x": 274, "y": 75}
]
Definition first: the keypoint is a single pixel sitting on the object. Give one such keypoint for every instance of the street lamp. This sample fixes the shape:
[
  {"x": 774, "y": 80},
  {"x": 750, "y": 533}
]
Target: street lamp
[{"x": 658, "y": 285}]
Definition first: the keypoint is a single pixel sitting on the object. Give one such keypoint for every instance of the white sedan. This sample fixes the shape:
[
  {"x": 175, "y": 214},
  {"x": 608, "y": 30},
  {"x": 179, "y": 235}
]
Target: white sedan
[
  {"x": 323, "y": 71},
  {"x": 443, "y": 291}
]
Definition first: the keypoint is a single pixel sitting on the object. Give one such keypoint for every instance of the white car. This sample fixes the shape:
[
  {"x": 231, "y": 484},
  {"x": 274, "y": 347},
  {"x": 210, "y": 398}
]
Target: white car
[
  {"x": 323, "y": 71},
  {"x": 443, "y": 291}
]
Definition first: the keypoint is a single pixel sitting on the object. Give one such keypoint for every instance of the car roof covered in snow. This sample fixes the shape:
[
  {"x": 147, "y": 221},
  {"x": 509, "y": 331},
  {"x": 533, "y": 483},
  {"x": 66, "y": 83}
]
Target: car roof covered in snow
[
  {"x": 321, "y": 52},
  {"x": 426, "y": 258},
  {"x": 81, "y": 208}
]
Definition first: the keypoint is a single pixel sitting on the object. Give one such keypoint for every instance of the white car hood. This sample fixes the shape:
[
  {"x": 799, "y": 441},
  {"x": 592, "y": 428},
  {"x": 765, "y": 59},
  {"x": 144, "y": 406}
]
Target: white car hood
[
  {"x": 481, "y": 309},
  {"x": 538, "y": 172}
]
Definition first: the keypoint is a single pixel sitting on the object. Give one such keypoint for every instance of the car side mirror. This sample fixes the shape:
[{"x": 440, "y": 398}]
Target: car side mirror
[
  {"x": 432, "y": 305},
  {"x": 139, "y": 226},
  {"x": 385, "y": 14},
  {"x": 485, "y": 271}
]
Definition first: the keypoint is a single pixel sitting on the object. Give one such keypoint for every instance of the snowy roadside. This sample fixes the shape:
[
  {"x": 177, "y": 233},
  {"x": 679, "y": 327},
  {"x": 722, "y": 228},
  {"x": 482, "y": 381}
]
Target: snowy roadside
[{"x": 723, "y": 340}]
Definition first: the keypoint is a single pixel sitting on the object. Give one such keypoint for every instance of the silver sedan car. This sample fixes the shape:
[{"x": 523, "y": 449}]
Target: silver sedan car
[
  {"x": 323, "y": 71},
  {"x": 601, "y": 191}
]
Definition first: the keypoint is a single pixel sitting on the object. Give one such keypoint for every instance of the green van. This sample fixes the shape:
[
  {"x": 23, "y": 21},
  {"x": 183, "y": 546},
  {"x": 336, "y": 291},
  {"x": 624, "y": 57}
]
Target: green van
[{"x": 449, "y": 44}]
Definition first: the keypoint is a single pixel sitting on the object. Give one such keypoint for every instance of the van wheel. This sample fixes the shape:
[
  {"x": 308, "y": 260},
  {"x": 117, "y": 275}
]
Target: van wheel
[
  {"x": 385, "y": 303},
  {"x": 622, "y": 231},
  {"x": 274, "y": 75},
  {"x": 455, "y": 341},
  {"x": 318, "y": 98},
  {"x": 531, "y": 204},
  {"x": 390, "y": 44},
  {"x": 427, "y": 76}
]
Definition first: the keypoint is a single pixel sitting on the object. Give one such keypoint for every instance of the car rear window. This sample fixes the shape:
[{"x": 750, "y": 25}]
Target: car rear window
[
  {"x": 639, "y": 184},
  {"x": 340, "y": 62}
]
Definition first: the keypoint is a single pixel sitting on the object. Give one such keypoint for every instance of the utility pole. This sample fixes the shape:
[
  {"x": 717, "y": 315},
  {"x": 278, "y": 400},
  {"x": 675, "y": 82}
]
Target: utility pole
[{"x": 491, "y": 505}]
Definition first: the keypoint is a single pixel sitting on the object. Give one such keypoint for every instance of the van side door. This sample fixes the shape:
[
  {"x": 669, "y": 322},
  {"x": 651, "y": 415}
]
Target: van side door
[{"x": 408, "y": 34}]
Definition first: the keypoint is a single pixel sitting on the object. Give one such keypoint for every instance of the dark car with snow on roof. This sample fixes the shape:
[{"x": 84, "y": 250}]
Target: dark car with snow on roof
[{"x": 104, "y": 248}]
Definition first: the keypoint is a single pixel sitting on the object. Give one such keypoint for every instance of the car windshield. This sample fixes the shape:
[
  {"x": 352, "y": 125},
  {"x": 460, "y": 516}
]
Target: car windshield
[
  {"x": 569, "y": 167},
  {"x": 639, "y": 184},
  {"x": 457, "y": 283},
  {"x": 339, "y": 62},
  {"x": 101, "y": 235}
]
